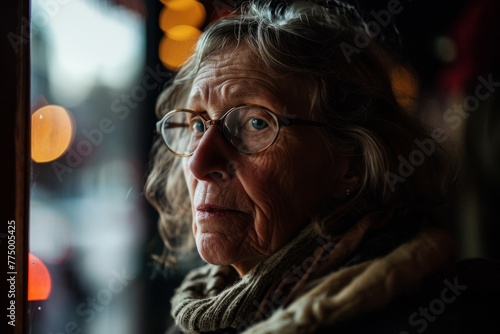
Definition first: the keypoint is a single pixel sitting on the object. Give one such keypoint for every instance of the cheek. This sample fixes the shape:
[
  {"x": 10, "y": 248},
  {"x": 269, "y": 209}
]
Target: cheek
[
  {"x": 292, "y": 181},
  {"x": 269, "y": 182},
  {"x": 269, "y": 176},
  {"x": 274, "y": 169}
]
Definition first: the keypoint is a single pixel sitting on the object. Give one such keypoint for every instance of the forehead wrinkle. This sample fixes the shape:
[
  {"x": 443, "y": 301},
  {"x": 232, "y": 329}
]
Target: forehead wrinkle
[
  {"x": 212, "y": 71},
  {"x": 233, "y": 77},
  {"x": 242, "y": 90},
  {"x": 228, "y": 91}
]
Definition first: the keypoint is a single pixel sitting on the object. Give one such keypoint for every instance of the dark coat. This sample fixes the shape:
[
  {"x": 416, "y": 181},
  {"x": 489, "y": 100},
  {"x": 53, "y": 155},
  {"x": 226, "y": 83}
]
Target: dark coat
[{"x": 461, "y": 300}]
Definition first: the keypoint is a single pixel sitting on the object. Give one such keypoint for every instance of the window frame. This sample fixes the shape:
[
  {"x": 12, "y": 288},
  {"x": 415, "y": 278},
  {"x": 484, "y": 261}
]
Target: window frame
[{"x": 15, "y": 177}]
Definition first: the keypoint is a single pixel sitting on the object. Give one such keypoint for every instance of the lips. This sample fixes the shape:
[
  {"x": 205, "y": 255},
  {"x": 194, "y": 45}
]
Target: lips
[{"x": 216, "y": 211}]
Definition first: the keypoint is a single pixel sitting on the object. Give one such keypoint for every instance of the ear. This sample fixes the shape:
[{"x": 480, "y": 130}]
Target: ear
[
  {"x": 349, "y": 178},
  {"x": 350, "y": 181}
]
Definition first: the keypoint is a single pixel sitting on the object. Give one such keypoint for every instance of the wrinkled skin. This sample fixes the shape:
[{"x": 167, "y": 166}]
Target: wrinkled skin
[{"x": 246, "y": 207}]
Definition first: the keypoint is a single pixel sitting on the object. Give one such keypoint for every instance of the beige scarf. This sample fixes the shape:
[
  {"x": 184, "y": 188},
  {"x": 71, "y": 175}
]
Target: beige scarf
[{"x": 303, "y": 286}]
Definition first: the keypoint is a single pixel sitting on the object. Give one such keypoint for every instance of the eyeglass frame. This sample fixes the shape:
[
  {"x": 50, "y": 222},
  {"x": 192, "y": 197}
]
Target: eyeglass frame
[{"x": 282, "y": 121}]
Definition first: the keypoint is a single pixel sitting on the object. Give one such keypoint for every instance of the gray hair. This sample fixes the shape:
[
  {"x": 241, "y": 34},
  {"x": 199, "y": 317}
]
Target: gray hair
[{"x": 352, "y": 95}]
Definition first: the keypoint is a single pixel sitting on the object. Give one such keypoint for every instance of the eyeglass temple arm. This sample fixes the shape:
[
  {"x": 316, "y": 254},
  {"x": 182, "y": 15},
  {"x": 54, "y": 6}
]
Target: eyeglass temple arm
[{"x": 297, "y": 121}]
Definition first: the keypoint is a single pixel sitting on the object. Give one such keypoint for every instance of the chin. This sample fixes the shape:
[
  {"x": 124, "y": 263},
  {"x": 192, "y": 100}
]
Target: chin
[{"x": 216, "y": 248}]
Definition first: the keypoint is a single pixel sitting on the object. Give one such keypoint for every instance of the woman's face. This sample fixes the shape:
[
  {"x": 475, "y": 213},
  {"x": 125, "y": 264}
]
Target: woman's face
[{"x": 246, "y": 207}]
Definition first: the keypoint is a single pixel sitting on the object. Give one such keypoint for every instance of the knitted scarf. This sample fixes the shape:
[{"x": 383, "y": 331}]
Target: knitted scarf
[{"x": 309, "y": 283}]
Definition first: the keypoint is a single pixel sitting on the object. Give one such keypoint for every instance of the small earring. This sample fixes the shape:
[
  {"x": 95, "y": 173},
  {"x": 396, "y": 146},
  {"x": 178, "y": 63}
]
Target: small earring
[{"x": 347, "y": 192}]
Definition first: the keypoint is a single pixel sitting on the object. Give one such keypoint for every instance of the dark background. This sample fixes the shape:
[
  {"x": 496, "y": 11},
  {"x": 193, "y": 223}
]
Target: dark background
[{"x": 473, "y": 27}]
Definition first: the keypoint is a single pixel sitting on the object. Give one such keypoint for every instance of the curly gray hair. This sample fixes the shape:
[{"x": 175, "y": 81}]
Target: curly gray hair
[{"x": 353, "y": 96}]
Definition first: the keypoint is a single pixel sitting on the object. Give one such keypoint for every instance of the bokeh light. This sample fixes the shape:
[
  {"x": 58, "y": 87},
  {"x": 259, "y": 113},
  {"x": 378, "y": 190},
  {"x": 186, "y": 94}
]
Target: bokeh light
[
  {"x": 445, "y": 49},
  {"x": 405, "y": 87},
  {"x": 39, "y": 281},
  {"x": 182, "y": 12},
  {"x": 51, "y": 133},
  {"x": 177, "y": 45},
  {"x": 180, "y": 21}
]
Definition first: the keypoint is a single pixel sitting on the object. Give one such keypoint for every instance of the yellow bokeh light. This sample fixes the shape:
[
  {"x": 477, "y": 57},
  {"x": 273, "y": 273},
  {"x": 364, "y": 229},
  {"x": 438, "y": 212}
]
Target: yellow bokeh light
[
  {"x": 51, "y": 133},
  {"x": 182, "y": 12},
  {"x": 177, "y": 45}
]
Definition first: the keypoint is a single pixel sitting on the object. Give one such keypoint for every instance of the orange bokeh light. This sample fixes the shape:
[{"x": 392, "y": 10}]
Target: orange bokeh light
[
  {"x": 182, "y": 12},
  {"x": 405, "y": 87},
  {"x": 177, "y": 45},
  {"x": 39, "y": 282},
  {"x": 51, "y": 133}
]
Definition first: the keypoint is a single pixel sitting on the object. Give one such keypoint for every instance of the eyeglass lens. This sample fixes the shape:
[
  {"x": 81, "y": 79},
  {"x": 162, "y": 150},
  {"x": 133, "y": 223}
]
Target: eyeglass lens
[{"x": 249, "y": 129}]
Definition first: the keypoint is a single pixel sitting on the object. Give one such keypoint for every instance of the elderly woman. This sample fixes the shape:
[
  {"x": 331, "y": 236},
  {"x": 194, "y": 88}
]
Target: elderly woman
[{"x": 310, "y": 191}]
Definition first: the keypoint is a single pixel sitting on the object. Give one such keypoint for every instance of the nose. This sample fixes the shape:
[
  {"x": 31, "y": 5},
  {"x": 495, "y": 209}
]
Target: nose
[{"x": 212, "y": 157}]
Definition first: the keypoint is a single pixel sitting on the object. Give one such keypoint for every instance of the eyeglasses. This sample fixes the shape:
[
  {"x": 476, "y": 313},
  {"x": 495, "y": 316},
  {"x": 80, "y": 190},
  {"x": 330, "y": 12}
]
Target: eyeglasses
[{"x": 248, "y": 128}]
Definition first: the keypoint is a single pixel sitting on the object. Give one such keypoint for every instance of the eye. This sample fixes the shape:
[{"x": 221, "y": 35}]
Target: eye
[
  {"x": 258, "y": 124},
  {"x": 196, "y": 126}
]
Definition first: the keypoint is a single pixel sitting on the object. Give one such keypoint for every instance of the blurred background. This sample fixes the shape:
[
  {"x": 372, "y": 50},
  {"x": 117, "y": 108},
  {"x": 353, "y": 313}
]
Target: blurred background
[{"x": 97, "y": 68}]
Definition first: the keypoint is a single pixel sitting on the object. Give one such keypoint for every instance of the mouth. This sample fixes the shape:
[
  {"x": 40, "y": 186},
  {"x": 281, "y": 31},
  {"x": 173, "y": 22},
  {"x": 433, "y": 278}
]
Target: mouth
[{"x": 204, "y": 211}]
